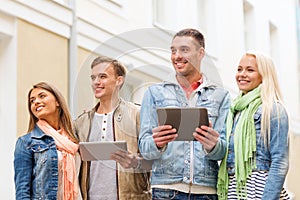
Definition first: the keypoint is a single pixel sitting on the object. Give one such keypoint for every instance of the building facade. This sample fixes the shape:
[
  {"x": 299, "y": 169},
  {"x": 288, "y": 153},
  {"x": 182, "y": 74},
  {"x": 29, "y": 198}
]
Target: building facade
[{"x": 56, "y": 40}]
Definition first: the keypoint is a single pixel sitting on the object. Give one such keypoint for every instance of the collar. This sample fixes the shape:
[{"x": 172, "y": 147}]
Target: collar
[
  {"x": 204, "y": 82},
  {"x": 37, "y": 132}
]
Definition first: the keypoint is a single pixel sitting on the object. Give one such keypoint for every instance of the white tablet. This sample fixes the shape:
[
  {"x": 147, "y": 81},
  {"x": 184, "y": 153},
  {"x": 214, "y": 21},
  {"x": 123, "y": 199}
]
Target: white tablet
[
  {"x": 185, "y": 120},
  {"x": 100, "y": 150}
]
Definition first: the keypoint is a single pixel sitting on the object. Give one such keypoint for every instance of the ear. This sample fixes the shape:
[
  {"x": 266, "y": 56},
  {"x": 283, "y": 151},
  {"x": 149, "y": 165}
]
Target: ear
[
  {"x": 57, "y": 104},
  {"x": 120, "y": 80},
  {"x": 201, "y": 52}
]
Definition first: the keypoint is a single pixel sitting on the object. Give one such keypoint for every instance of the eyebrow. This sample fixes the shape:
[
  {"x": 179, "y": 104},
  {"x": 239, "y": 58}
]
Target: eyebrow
[
  {"x": 248, "y": 66},
  {"x": 42, "y": 92},
  {"x": 182, "y": 46},
  {"x": 99, "y": 74}
]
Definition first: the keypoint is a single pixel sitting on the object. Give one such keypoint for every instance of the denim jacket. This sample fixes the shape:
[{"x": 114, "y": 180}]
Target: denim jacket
[
  {"x": 183, "y": 162},
  {"x": 275, "y": 158},
  {"x": 36, "y": 166}
]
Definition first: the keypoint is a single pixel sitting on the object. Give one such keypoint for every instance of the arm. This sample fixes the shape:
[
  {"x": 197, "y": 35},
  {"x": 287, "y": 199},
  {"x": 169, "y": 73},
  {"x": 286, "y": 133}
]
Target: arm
[
  {"x": 279, "y": 150},
  {"x": 23, "y": 166},
  {"x": 151, "y": 136}
]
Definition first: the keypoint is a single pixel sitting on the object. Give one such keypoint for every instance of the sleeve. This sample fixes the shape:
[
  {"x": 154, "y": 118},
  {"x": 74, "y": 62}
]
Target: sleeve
[
  {"x": 23, "y": 167},
  {"x": 279, "y": 151},
  {"x": 148, "y": 121},
  {"x": 219, "y": 150}
]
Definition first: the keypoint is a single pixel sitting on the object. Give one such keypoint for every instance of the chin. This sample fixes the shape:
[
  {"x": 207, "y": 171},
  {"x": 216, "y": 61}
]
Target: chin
[{"x": 98, "y": 96}]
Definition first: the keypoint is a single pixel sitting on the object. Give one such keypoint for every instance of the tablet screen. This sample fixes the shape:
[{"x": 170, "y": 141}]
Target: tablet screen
[
  {"x": 100, "y": 150},
  {"x": 185, "y": 120}
]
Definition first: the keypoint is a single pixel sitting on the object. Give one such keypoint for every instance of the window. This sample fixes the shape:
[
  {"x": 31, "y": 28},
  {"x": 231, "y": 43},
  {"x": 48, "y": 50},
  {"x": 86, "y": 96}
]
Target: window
[{"x": 249, "y": 26}]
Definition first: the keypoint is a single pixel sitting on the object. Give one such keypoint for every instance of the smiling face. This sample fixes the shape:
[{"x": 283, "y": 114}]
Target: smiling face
[
  {"x": 105, "y": 83},
  {"x": 247, "y": 76},
  {"x": 186, "y": 55},
  {"x": 43, "y": 105}
]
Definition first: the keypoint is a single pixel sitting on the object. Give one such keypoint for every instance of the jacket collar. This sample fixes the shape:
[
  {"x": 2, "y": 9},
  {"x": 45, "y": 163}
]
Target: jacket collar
[
  {"x": 37, "y": 132},
  {"x": 117, "y": 112},
  {"x": 171, "y": 80}
]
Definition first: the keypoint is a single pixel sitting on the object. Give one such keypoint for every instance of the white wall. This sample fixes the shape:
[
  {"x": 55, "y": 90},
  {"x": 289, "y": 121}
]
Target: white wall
[{"x": 8, "y": 104}]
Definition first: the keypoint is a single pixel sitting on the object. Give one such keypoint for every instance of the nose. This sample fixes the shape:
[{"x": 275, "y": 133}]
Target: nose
[
  {"x": 35, "y": 101},
  {"x": 242, "y": 73},
  {"x": 97, "y": 79},
  {"x": 177, "y": 55}
]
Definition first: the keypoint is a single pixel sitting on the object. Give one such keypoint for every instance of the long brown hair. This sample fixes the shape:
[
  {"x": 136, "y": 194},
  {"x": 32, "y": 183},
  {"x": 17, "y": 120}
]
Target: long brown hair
[{"x": 64, "y": 113}]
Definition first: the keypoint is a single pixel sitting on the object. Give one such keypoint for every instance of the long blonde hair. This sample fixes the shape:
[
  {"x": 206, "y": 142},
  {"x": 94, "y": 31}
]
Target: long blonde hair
[
  {"x": 65, "y": 119},
  {"x": 270, "y": 91}
]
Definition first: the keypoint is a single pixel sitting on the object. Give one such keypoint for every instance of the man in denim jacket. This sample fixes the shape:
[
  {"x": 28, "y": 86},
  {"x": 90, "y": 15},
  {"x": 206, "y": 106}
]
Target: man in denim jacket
[{"x": 182, "y": 169}]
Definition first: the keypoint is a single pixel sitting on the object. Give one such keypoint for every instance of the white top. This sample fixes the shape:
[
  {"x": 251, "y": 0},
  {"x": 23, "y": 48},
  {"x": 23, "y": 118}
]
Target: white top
[{"x": 103, "y": 178}]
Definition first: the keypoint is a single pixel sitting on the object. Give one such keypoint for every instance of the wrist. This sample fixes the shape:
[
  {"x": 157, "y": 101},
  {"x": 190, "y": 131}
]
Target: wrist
[
  {"x": 139, "y": 164},
  {"x": 162, "y": 149}
]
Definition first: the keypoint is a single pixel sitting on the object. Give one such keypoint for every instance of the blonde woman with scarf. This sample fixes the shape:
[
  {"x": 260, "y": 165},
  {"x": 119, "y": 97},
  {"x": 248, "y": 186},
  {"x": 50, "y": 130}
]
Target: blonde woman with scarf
[
  {"x": 256, "y": 161},
  {"x": 46, "y": 158}
]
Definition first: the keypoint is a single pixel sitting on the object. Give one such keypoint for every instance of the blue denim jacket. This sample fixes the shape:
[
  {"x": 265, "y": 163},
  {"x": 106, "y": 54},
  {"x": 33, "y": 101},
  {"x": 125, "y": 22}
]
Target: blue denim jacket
[
  {"x": 274, "y": 159},
  {"x": 173, "y": 165},
  {"x": 36, "y": 166}
]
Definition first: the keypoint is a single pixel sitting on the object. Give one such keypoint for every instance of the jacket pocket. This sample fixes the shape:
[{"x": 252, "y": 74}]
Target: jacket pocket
[{"x": 40, "y": 153}]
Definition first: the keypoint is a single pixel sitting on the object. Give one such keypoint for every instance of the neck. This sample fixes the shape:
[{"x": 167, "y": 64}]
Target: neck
[
  {"x": 54, "y": 123},
  {"x": 107, "y": 106},
  {"x": 186, "y": 81}
]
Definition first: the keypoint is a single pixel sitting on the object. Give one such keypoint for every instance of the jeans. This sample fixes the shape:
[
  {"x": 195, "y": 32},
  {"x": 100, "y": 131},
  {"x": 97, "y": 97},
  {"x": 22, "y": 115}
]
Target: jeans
[{"x": 159, "y": 194}]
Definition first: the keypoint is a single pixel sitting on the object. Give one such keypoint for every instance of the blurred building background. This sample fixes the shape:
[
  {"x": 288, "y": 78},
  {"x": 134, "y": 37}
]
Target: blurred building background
[{"x": 56, "y": 40}]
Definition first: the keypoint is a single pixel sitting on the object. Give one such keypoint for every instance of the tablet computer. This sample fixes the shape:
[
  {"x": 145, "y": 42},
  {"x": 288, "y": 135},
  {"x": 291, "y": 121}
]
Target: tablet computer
[
  {"x": 100, "y": 150},
  {"x": 185, "y": 120}
]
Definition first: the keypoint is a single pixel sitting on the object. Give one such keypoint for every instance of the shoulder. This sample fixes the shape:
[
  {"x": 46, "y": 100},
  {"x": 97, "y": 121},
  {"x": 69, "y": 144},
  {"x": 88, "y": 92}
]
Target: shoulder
[
  {"x": 29, "y": 138},
  {"x": 218, "y": 92},
  {"x": 25, "y": 138},
  {"x": 158, "y": 90},
  {"x": 160, "y": 85},
  {"x": 129, "y": 105},
  {"x": 278, "y": 110},
  {"x": 218, "y": 89},
  {"x": 85, "y": 115}
]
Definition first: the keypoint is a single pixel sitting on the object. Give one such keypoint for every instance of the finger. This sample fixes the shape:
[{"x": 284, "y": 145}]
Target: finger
[
  {"x": 163, "y": 133},
  {"x": 161, "y": 128},
  {"x": 116, "y": 158},
  {"x": 207, "y": 144},
  {"x": 208, "y": 132},
  {"x": 205, "y": 138},
  {"x": 161, "y": 141},
  {"x": 121, "y": 154},
  {"x": 210, "y": 124},
  {"x": 123, "y": 162},
  {"x": 167, "y": 137}
]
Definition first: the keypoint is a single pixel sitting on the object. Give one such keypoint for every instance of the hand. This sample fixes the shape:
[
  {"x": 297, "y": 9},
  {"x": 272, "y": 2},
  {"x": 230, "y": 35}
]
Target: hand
[
  {"x": 162, "y": 135},
  {"x": 207, "y": 136},
  {"x": 125, "y": 159}
]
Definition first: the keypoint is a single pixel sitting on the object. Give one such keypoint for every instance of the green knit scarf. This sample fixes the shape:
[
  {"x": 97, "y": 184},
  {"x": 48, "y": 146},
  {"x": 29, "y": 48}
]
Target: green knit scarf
[{"x": 244, "y": 142}]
